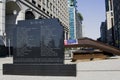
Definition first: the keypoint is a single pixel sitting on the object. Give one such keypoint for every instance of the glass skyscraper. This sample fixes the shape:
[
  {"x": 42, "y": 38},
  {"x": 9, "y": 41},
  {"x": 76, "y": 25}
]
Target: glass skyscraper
[
  {"x": 74, "y": 22},
  {"x": 72, "y": 11}
]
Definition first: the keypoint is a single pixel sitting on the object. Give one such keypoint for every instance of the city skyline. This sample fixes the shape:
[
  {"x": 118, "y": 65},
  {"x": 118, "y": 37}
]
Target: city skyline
[{"x": 93, "y": 15}]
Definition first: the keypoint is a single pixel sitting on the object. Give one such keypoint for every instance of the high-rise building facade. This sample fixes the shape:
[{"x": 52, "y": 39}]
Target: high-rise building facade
[
  {"x": 79, "y": 31},
  {"x": 11, "y": 11},
  {"x": 110, "y": 21},
  {"x": 113, "y": 21},
  {"x": 103, "y": 31},
  {"x": 74, "y": 23},
  {"x": 116, "y": 4}
]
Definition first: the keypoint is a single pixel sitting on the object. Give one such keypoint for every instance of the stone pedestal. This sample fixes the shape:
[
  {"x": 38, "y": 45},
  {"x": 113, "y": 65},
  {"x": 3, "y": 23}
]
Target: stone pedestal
[{"x": 40, "y": 70}]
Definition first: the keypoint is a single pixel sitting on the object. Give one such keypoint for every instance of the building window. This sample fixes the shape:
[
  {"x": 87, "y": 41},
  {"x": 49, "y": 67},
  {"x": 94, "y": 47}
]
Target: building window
[
  {"x": 54, "y": 9},
  {"x": 39, "y": 6},
  {"x": 50, "y": 6},
  {"x": 47, "y": 12},
  {"x": 44, "y": 2},
  {"x": 44, "y": 9},
  {"x": 54, "y": 0},
  {"x": 51, "y": 15},
  {"x": 33, "y": 2},
  {"x": 48, "y": 3}
]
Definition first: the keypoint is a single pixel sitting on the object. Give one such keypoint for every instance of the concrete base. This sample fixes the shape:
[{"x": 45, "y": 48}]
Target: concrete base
[{"x": 40, "y": 70}]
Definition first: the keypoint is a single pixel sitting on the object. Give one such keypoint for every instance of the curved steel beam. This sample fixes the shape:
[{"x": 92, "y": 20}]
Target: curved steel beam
[{"x": 86, "y": 42}]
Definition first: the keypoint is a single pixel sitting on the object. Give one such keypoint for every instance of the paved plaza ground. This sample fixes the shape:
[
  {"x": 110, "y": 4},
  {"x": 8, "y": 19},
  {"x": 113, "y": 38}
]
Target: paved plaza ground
[{"x": 86, "y": 70}]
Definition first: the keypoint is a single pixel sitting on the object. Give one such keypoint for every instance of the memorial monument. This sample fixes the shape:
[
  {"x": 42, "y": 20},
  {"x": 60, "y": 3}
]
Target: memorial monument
[{"x": 39, "y": 50}]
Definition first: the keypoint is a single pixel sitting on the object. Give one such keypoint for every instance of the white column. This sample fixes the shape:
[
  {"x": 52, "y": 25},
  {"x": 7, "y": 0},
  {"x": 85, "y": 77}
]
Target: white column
[{"x": 2, "y": 18}]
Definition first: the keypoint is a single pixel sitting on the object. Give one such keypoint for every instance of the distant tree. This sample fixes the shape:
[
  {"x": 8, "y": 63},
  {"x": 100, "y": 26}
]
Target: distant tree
[{"x": 80, "y": 16}]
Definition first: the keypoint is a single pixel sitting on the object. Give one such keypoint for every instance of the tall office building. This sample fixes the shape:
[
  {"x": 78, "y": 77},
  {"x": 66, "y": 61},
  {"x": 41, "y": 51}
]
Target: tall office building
[
  {"x": 110, "y": 21},
  {"x": 113, "y": 22},
  {"x": 103, "y": 31},
  {"x": 79, "y": 27},
  {"x": 74, "y": 22},
  {"x": 116, "y": 4},
  {"x": 11, "y": 11}
]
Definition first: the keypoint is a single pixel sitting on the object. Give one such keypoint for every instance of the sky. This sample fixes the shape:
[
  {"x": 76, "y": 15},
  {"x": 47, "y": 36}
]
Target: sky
[{"x": 93, "y": 12}]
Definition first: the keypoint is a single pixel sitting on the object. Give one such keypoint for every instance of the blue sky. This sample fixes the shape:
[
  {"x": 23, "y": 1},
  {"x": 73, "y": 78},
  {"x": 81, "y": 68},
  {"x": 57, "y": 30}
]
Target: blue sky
[{"x": 93, "y": 12}]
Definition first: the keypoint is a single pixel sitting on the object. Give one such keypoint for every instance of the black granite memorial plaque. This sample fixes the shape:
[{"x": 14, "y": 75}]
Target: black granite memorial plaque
[
  {"x": 41, "y": 44},
  {"x": 39, "y": 49}
]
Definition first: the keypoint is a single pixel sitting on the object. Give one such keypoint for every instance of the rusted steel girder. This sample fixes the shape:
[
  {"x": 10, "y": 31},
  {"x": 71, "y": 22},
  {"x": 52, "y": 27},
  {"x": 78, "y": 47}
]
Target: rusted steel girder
[{"x": 87, "y": 42}]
